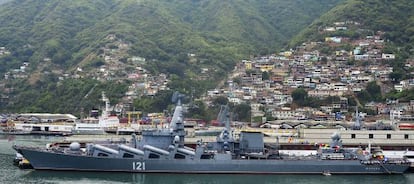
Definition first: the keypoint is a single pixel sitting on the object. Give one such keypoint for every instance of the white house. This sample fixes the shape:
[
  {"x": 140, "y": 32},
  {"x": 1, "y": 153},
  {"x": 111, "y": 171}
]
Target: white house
[{"x": 388, "y": 56}]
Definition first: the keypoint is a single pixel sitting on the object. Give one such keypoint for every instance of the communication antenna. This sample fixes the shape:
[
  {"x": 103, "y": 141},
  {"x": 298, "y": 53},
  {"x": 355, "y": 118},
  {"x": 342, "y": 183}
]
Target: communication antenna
[{"x": 176, "y": 97}]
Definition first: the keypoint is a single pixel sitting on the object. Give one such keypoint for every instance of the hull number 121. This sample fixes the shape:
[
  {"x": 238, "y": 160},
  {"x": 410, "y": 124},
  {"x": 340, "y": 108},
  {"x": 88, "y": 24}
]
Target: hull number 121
[{"x": 138, "y": 166}]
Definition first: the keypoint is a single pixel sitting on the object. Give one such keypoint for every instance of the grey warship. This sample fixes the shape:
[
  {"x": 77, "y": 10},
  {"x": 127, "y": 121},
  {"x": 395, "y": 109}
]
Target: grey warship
[{"x": 162, "y": 150}]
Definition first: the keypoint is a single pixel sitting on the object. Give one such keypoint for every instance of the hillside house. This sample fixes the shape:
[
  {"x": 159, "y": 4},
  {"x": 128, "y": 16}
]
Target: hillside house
[{"x": 387, "y": 56}]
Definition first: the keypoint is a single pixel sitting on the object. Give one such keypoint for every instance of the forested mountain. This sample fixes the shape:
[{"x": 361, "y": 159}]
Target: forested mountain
[
  {"x": 69, "y": 31},
  {"x": 56, "y": 35}
]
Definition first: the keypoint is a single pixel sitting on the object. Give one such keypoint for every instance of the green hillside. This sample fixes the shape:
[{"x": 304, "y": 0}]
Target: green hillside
[
  {"x": 55, "y": 35},
  {"x": 393, "y": 17},
  {"x": 68, "y": 31}
]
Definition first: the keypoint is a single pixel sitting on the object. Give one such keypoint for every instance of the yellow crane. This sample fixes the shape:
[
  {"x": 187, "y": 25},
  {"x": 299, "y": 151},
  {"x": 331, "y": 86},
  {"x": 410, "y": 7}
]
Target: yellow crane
[{"x": 130, "y": 113}]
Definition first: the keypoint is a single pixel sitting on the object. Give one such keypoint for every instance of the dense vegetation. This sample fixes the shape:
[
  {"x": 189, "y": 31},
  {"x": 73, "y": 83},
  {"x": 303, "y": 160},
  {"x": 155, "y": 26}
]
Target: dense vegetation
[
  {"x": 220, "y": 31},
  {"x": 72, "y": 32},
  {"x": 393, "y": 17},
  {"x": 68, "y": 96}
]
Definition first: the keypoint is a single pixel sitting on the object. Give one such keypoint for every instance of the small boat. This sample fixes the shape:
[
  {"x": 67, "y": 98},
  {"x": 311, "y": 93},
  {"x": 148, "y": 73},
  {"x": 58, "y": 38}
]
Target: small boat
[
  {"x": 25, "y": 164},
  {"x": 17, "y": 159},
  {"x": 326, "y": 173},
  {"x": 21, "y": 162},
  {"x": 409, "y": 155}
]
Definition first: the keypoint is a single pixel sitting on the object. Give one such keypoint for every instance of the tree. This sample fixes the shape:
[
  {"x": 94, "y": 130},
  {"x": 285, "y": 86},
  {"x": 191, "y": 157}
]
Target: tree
[
  {"x": 220, "y": 100},
  {"x": 241, "y": 112},
  {"x": 238, "y": 81},
  {"x": 265, "y": 76},
  {"x": 324, "y": 60},
  {"x": 396, "y": 76},
  {"x": 374, "y": 90},
  {"x": 154, "y": 104},
  {"x": 299, "y": 96},
  {"x": 364, "y": 96},
  {"x": 197, "y": 110}
]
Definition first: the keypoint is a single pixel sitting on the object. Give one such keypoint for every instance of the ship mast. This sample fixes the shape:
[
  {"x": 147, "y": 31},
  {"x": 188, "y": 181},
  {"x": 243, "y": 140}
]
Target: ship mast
[
  {"x": 177, "y": 121},
  {"x": 105, "y": 112},
  {"x": 357, "y": 125}
]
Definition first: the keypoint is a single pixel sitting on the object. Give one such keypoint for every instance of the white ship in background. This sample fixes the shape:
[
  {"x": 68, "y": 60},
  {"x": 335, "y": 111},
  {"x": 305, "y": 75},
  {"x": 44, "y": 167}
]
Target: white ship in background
[
  {"x": 101, "y": 124},
  {"x": 88, "y": 126},
  {"x": 107, "y": 122}
]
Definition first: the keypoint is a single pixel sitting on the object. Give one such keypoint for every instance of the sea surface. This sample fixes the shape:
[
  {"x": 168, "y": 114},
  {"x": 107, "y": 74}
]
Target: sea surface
[{"x": 11, "y": 174}]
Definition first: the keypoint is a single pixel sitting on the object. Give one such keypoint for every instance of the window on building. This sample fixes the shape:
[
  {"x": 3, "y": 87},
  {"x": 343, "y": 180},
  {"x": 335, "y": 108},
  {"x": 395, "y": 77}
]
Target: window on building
[
  {"x": 352, "y": 136},
  {"x": 371, "y": 136},
  {"x": 405, "y": 136},
  {"x": 388, "y": 136}
]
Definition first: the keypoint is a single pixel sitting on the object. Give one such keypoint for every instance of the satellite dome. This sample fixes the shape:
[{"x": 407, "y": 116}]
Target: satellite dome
[
  {"x": 176, "y": 139},
  {"x": 74, "y": 146}
]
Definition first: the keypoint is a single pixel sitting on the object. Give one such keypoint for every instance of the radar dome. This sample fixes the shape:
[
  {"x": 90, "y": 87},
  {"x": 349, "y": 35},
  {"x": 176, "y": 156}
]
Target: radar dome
[
  {"x": 176, "y": 139},
  {"x": 74, "y": 146}
]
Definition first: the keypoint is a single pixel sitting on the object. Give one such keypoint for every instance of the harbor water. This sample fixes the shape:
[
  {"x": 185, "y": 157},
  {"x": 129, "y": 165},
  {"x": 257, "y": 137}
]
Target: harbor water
[{"x": 11, "y": 174}]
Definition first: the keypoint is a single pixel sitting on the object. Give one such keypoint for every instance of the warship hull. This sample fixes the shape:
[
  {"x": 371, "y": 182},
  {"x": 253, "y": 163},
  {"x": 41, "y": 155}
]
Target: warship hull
[{"x": 44, "y": 160}]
